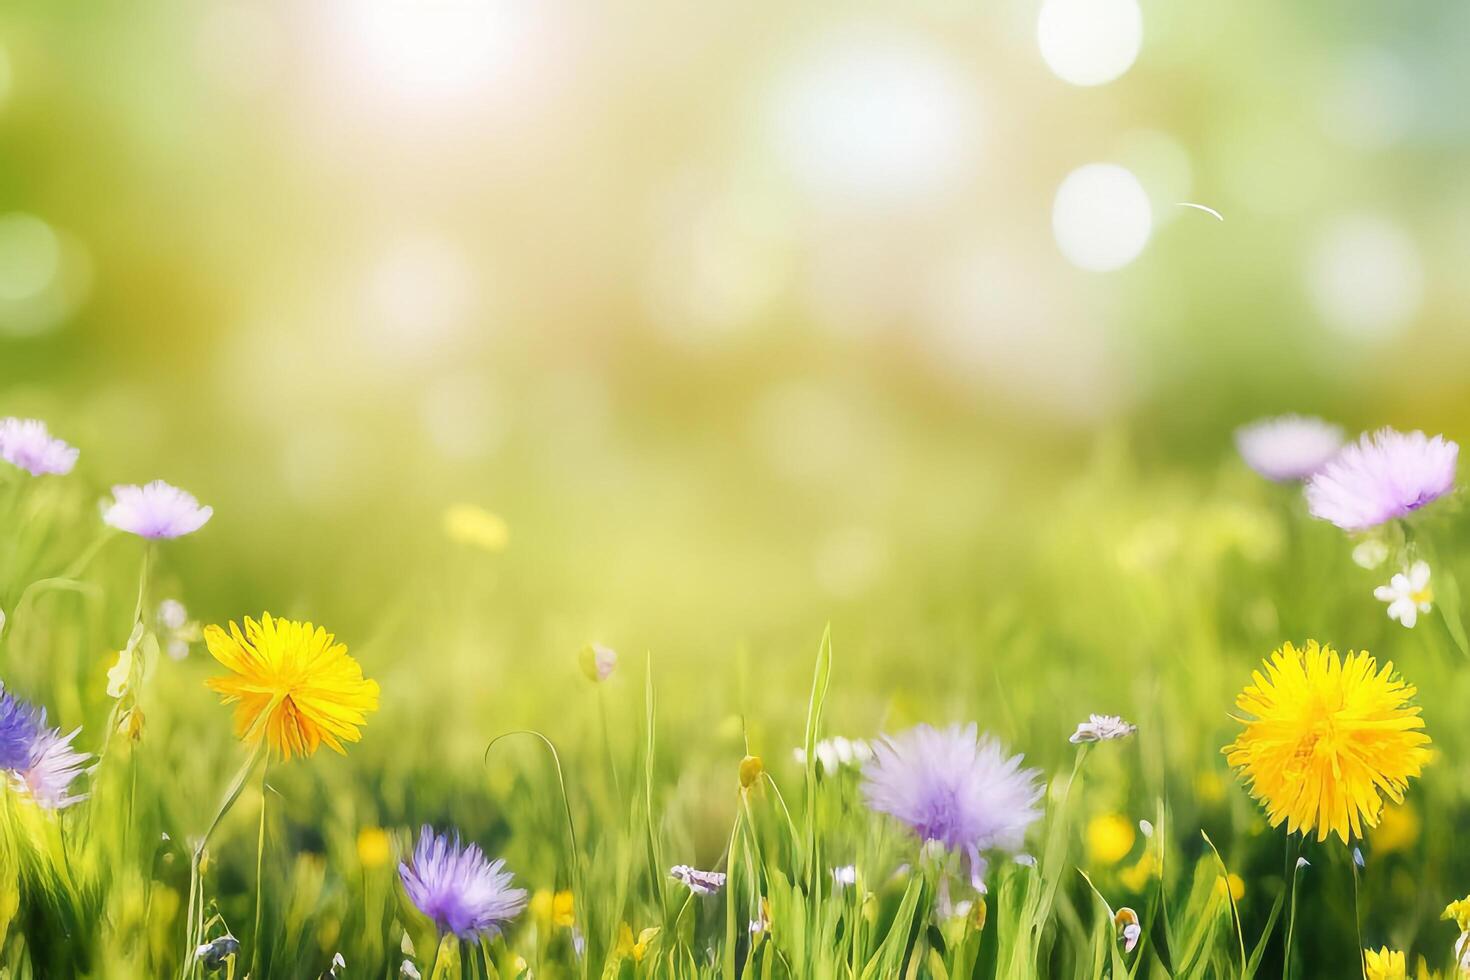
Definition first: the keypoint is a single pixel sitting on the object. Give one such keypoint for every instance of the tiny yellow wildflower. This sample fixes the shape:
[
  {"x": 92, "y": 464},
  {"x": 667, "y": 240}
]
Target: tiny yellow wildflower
[
  {"x": 563, "y": 909},
  {"x": 635, "y": 949},
  {"x": 751, "y": 768},
  {"x": 1458, "y": 912},
  {"x": 1110, "y": 837},
  {"x": 374, "y": 847},
  {"x": 1136, "y": 878},
  {"x": 554, "y": 908},
  {"x": 1384, "y": 964}
]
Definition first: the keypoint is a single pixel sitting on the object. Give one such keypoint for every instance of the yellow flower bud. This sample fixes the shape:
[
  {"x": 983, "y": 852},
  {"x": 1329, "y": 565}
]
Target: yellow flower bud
[{"x": 751, "y": 769}]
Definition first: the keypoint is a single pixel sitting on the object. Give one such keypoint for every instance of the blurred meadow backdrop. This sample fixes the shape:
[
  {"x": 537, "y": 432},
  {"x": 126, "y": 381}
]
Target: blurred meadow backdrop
[{"x": 493, "y": 329}]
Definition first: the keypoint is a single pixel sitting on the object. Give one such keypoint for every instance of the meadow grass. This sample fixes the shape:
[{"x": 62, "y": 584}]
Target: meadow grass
[{"x": 1151, "y": 595}]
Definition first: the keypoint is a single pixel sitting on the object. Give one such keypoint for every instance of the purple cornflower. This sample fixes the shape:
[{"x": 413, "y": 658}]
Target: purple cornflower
[
  {"x": 20, "y": 724},
  {"x": 157, "y": 510},
  {"x": 53, "y": 769},
  {"x": 458, "y": 888},
  {"x": 39, "y": 760},
  {"x": 952, "y": 787},
  {"x": 27, "y": 444},
  {"x": 1382, "y": 476},
  {"x": 1288, "y": 447}
]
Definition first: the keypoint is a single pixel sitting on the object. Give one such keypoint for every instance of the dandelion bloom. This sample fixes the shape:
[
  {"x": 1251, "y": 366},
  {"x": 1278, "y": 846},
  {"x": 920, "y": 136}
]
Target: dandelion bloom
[
  {"x": 459, "y": 889},
  {"x": 1382, "y": 476},
  {"x": 27, "y": 444},
  {"x": 156, "y": 510},
  {"x": 294, "y": 684},
  {"x": 1327, "y": 738},
  {"x": 1384, "y": 964},
  {"x": 952, "y": 787},
  {"x": 1288, "y": 447}
]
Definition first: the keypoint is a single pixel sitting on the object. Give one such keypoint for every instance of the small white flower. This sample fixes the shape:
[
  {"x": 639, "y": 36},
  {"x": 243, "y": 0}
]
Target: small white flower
[
  {"x": 835, "y": 753},
  {"x": 1302, "y": 863},
  {"x": 1358, "y": 857},
  {"x": 172, "y": 615},
  {"x": 1131, "y": 934},
  {"x": 1026, "y": 860},
  {"x": 1102, "y": 728},
  {"x": 1146, "y": 828},
  {"x": 409, "y": 971},
  {"x": 1408, "y": 594},
  {"x": 1370, "y": 553},
  {"x": 844, "y": 876}
]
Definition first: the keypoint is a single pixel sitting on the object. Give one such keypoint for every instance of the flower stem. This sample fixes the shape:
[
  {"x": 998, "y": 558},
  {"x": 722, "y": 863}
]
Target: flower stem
[
  {"x": 259, "y": 876},
  {"x": 193, "y": 927}
]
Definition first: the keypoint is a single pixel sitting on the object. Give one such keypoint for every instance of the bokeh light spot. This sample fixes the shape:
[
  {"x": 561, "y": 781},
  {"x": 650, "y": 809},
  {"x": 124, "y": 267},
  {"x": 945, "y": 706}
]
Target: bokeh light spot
[
  {"x": 1101, "y": 217},
  {"x": 873, "y": 118},
  {"x": 1089, "y": 42},
  {"x": 30, "y": 256},
  {"x": 1365, "y": 277}
]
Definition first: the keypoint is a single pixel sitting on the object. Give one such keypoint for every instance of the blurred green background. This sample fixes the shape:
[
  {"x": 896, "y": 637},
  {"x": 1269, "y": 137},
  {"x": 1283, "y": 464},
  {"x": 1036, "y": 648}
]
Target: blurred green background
[
  {"x": 743, "y": 312},
  {"x": 745, "y": 318}
]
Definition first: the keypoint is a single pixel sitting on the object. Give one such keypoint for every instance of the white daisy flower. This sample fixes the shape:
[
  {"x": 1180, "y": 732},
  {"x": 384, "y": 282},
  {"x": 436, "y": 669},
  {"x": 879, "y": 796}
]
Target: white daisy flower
[{"x": 1102, "y": 728}]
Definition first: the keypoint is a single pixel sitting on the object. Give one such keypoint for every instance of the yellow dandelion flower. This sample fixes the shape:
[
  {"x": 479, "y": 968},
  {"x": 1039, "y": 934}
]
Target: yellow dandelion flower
[
  {"x": 1327, "y": 738},
  {"x": 374, "y": 847},
  {"x": 1385, "y": 964},
  {"x": 476, "y": 527},
  {"x": 1109, "y": 838},
  {"x": 294, "y": 685}
]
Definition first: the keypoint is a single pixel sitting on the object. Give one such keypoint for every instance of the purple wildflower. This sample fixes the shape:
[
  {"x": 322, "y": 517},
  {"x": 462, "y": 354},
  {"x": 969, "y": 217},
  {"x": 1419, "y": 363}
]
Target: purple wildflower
[
  {"x": 698, "y": 882},
  {"x": 458, "y": 888},
  {"x": 954, "y": 788},
  {"x": 1382, "y": 476},
  {"x": 27, "y": 444},
  {"x": 20, "y": 723},
  {"x": 157, "y": 510},
  {"x": 1288, "y": 447},
  {"x": 55, "y": 766}
]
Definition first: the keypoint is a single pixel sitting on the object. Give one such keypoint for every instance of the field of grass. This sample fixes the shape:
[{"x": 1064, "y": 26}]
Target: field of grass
[
  {"x": 1150, "y": 593},
  {"x": 724, "y": 451}
]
